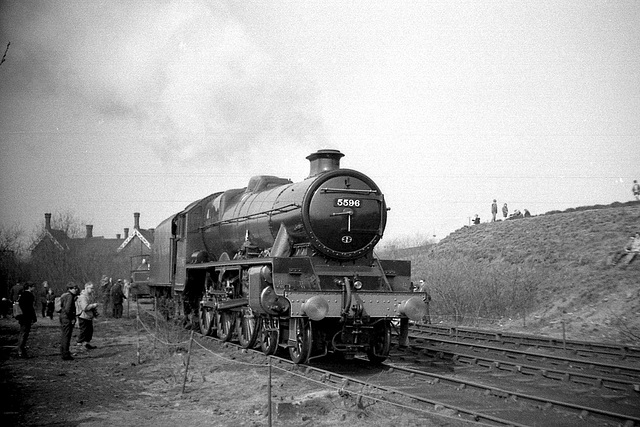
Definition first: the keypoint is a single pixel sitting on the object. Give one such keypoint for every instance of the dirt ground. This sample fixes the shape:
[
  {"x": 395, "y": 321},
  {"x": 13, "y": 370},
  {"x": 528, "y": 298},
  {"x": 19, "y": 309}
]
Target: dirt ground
[{"x": 131, "y": 381}]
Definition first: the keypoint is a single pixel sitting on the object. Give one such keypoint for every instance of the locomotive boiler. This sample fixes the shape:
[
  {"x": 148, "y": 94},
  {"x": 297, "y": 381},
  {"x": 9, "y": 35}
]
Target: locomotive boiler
[{"x": 283, "y": 264}]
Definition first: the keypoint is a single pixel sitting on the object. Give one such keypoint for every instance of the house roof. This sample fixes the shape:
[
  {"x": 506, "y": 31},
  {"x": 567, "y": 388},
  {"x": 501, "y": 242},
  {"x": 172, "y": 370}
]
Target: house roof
[
  {"x": 64, "y": 243},
  {"x": 145, "y": 236},
  {"x": 58, "y": 237}
]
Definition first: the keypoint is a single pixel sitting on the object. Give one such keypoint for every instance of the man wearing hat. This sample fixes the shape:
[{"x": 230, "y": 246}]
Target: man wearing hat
[
  {"x": 68, "y": 318},
  {"x": 117, "y": 299}
]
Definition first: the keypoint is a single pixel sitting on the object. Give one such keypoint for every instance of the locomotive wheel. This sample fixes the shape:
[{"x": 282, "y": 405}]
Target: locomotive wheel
[
  {"x": 226, "y": 320},
  {"x": 206, "y": 321},
  {"x": 381, "y": 343},
  {"x": 300, "y": 331},
  {"x": 247, "y": 326},
  {"x": 268, "y": 338}
]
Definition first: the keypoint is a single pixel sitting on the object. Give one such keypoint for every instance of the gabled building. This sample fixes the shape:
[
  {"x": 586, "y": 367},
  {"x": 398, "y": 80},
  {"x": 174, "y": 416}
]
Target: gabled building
[
  {"x": 58, "y": 258},
  {"x": 137, "y": 245}
]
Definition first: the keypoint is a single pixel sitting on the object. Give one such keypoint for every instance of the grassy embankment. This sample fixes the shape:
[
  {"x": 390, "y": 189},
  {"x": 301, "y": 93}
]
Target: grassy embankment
[{"x": 534, "y": 274}]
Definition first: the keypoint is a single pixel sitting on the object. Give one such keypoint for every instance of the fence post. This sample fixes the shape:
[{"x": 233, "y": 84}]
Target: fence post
[
  {"x": 186, "y": 369},
  {"x": 155, "y": 316},
  {"x": 269, "y": 391},
  {"x": 138, "y": 332}
]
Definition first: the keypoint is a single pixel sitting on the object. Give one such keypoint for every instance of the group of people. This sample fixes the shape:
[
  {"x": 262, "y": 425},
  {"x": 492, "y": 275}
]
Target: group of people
[
  {"x": 81, "y": 305},
  {"x": 113, "y": 295},
  {"x": 74, "y": 306}
]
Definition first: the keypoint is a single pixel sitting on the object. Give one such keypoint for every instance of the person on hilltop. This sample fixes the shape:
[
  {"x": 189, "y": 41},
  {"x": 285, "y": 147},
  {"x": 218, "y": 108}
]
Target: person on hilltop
[
  {"x": 86, "y": 308},
  {"x": 26, "y": 300},
  {"x": 67, "y": 318},
  {"x": 494, "y": 210},
  {"x": 476, "y": 220},
  {"x": 636, "y": 189},
  {"x": 629, "y": 252},
  {"x": 505, "y": 211}
]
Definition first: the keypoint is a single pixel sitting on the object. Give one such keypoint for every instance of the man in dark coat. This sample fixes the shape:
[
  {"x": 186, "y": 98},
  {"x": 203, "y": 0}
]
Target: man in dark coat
[
  {"x": 117, "y": 299},
  {"x": 42, "y": 297},
  {"x": 26, "y": 300},
  {"x": 68, "y": 318},
  {"x": 15, "y": 292}
]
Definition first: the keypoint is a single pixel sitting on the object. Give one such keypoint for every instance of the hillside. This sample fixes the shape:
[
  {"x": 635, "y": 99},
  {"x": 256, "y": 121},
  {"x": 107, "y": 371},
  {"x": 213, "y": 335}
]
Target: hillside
[{"x": 571, "y": 251}]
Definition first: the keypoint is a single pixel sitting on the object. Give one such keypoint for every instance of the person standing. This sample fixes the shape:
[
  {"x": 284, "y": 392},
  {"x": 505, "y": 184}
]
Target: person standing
[
  {"x": 636, "y": 189},
  {"x": 42, "y": 298},
  {"x": 51, "y": 301},
  {"x": 15, "y": 292},
  {"x": 117, "y": 299},
  {"x": 505, "y": 211},
  {"x": 105, "y": 288},
  {"x": 86, "y": 309},
  {"x": 26, "y": 300},
  {"x": 422, "y": 287},
  {"x": 67, "y": 319},
  {"x": 494, "y": 210}
]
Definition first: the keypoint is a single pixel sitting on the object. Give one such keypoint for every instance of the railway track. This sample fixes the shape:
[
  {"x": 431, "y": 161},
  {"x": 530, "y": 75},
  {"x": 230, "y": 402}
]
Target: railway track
[
  {"x": 593, "y": 373},
  {"x": 485, "y": 392},
  {"x": 581, "y": 349}
]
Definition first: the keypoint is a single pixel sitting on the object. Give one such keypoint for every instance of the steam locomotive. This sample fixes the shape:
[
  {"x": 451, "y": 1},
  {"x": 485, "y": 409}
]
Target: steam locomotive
[{"x": 283, "y": 264}]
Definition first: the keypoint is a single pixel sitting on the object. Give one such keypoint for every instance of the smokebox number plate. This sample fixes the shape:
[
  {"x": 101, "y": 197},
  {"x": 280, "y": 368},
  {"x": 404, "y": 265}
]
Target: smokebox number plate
[{"x": 347, "y": 203}]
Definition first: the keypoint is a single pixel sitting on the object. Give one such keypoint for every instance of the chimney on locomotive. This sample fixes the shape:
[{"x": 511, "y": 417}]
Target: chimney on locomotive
[{"x": 324, "y": 161}]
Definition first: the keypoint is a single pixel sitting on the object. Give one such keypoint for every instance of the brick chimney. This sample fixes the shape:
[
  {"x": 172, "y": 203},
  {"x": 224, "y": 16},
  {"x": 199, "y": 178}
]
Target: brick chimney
[
  {"x": 126, "y": 233},
  {"x": 136, "y": 220},
  {"x": 47, "y": 221},
  {"x": 89, "y": 231},
  {"x": 118, "y": 236}
]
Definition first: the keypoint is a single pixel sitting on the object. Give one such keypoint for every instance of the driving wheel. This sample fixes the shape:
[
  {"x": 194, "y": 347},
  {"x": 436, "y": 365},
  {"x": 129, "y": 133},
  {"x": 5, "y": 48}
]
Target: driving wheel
[
  {"x": 300, "y": 332},
  {"x": 247, "y": 328},
  {"x": 268, "y": 336},
  {"x": 226, "y": 321},
  {"x": 206, "y": 321}
]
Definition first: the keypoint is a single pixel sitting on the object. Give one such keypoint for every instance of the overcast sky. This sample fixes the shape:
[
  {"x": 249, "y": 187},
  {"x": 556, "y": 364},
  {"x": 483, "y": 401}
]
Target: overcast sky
[{"x": 113, "y": 107}]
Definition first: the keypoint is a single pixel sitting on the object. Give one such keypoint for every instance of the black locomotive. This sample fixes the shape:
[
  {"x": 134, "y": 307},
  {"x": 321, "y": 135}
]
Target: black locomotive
[{"x": 288, "y": 264}]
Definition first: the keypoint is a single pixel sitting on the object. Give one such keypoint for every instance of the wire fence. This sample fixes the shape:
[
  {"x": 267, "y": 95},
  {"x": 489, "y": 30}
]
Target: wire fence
[{"x": 363, "y": 398}]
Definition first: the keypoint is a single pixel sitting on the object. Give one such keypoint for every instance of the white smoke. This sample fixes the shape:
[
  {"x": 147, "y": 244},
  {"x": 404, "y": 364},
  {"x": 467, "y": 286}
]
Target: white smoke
[{"x": 186, "y": 72}]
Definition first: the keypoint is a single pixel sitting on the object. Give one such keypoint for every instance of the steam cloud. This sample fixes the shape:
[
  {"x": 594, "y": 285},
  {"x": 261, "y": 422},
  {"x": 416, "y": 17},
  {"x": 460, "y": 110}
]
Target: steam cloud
[{"x": 186, "y": 72}]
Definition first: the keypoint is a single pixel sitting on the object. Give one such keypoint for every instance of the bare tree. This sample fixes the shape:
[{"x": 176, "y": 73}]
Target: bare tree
[{"x": 12, "y": 266}]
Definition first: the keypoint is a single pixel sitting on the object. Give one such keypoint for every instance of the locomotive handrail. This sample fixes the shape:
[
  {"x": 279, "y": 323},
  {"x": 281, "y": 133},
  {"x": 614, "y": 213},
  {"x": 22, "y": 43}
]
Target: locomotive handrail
[
  {"x": 348, "y": 190},
  {"x": 286, "y": 208}
]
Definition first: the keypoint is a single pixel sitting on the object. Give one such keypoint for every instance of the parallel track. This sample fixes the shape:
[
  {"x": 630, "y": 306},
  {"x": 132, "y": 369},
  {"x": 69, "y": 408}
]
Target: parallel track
[{"x": 482, "y": 393}]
